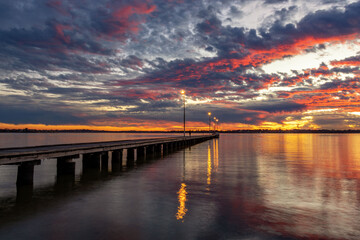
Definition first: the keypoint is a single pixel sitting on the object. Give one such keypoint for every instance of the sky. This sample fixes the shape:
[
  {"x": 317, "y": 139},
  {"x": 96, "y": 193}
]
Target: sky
[{"x": 121, "y": 64}]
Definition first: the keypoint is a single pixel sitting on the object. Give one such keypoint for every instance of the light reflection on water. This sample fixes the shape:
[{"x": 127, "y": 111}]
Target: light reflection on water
[
  {"x": 209, "y": 168},
  {"x": 242, "y": 186},
  {"x": 182, "y": 201}
]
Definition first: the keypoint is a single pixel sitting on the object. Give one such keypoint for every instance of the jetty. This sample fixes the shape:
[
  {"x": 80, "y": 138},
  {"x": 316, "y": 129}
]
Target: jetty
[{"x": 94, "y": 155}]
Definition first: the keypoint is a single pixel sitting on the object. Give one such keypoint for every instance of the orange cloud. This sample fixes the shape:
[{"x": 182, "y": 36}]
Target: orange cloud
[
  {"x": 340, "y": 97},
  {"x": 346, "y": 62}
]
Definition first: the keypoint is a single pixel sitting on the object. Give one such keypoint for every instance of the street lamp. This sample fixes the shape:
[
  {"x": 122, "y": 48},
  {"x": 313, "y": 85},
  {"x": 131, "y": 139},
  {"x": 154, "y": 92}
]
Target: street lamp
[
  {"x": 215, "y": 124},
  {"x": 209, "y": 113},
  {"x": 183, "y": 93}
]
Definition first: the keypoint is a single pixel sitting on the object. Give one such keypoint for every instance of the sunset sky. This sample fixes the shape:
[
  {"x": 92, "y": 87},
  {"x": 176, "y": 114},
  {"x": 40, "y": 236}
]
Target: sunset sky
[{"x": 121, "y": 64}]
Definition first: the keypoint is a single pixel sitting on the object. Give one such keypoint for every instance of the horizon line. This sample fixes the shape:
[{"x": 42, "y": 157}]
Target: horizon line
[{"x": 27, "y": 130}]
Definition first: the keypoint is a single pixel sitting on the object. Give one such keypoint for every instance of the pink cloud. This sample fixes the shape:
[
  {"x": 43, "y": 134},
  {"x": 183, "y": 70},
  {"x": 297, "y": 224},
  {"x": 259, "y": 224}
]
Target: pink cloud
[
  {"x": 59, "y": 28},
  {"x": 123, "y": 20}
]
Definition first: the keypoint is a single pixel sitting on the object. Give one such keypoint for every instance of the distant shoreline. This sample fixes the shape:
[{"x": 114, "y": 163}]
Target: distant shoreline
[{"x": 194, "y": 132}]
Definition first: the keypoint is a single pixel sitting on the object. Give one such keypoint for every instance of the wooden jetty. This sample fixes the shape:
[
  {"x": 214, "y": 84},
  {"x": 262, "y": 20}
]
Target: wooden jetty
[{"x": 95, "y": 155}]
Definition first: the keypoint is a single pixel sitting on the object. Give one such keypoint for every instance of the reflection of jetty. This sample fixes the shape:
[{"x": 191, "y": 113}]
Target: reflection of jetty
[{"x": 98, "y": 155}]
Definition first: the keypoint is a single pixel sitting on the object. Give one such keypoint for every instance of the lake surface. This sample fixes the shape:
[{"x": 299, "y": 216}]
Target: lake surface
[
  {"x": 36, "y": 139},
  {"x": 240, "y": 186}
]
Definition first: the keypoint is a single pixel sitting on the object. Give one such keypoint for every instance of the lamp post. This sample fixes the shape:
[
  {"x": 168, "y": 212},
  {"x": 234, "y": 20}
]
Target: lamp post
[
  {"x": 209, "y": 113},
  {"x": 215, "y": 124},
  {"x": 183, "y": 93}
]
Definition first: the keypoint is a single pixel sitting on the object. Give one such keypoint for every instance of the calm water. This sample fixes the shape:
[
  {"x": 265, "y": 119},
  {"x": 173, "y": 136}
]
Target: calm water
[
  {"x": 35, "y": 139},
  {"x": 241, "y": 186}
]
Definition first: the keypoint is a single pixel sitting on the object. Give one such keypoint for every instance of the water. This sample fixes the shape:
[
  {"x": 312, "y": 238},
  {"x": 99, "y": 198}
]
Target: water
[
  {"x": 241, "y": 186},
  {"x": 8, "y": 140}
]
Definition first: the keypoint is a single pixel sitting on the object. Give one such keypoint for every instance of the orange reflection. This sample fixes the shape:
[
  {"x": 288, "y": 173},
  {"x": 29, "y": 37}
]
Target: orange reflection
[
  {"x": 330, "y": 155},
  {"x": 308, "y": 177},
  {"x": 216, "y": 155},
  {"x": 209, "y": 167},
  {"x": 182, "y": 199}
]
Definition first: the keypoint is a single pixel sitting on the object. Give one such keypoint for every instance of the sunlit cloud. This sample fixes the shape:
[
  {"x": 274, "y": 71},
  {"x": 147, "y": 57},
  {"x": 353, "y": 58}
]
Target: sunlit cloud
[{"x": 309, "y": 60}]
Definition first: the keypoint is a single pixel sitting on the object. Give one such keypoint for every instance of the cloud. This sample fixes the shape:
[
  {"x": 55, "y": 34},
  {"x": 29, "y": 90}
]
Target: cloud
[
  {"x": 351, "y": 61},
  {"x": 334, "y": 94},
  {"x": 23, "y": 115},
  {"x": 123, "y": 20},
  {"x": 59, "y": 6},
  {"x": 275, "y": 1},
  {"x": 112, "y": 59},
  {"x": 132, "y": 62},
  {"x": 276, "y": 106},
  {"x": 210, "y": 25}
]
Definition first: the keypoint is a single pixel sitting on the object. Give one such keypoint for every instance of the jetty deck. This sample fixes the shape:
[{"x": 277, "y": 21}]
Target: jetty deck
[
  {"x": 24, "y": 154},
  {"x": 95, "y": 156}
]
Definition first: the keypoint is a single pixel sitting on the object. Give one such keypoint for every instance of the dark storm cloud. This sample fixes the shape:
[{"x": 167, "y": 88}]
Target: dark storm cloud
[
  {"x": 316, "y": 48},
  {"x": 48, "y": 49},
  {"x": 132, "y": 62},
  {"x": 35, "y": 115},
  {"x": 65, "y": 38},
  {"x": 212, "y": 24},
  {"x": 331, "y": 22},
  {"x": 276, "y": 106},
  {"x": 209, "y": 49}
]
